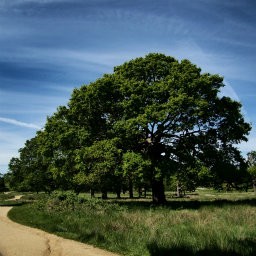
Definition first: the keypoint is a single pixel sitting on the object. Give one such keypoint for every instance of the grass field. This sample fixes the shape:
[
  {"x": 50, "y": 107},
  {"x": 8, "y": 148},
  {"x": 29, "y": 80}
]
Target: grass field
[{"x": 206, "y": 223}]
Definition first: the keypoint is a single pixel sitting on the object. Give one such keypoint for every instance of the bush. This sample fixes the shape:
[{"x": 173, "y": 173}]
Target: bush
[{"x": 61, "y": 201}]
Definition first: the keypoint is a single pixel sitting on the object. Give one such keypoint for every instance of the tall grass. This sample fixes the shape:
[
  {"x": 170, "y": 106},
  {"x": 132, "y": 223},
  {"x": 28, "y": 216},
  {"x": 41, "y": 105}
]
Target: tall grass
[{"x": 180, "y": 228}]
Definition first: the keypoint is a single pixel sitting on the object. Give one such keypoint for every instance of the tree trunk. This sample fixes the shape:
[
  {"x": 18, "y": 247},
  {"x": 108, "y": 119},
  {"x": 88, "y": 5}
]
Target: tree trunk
[
  {"x": 118, "y": 194},
  {"x": 178, "y": 190},
  {"x": 158, "y": 195},
  {"x": 140, "y": 191},
  {"x": 154, "y": 152},
  {"x": 104, "y": 195},
  {"x": 92, "y": 193},
  {"x": 130, "y": 189}
]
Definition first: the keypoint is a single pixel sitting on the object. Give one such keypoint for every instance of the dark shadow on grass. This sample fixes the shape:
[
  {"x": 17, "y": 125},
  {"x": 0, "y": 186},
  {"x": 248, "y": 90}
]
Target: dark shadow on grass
[
  {"x": 155, "y": 250},
  {"x": 93, "y": 236},
  {"x": 193, "y": 204},
  {"x": 10, "y": 203}
]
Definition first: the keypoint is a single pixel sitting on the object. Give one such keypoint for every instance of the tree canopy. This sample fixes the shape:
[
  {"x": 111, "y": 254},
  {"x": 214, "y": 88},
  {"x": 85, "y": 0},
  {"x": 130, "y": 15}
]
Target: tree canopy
[{"x": 151, "y": 118}]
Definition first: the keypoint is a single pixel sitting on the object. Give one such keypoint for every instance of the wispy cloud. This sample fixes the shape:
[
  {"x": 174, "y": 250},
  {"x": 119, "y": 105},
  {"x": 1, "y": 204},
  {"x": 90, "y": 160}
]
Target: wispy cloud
[
  {"x": 13, "y": 2},
  {"x": 10, "y": 142},
  {"x": 19, "y": 123},
  {"x": 229, "y": 91}
]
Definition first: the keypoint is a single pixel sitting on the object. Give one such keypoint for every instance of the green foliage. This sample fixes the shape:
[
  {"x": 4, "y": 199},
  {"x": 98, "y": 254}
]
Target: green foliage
[
  {"x": 252, "y": 171},
  {"x": 29, "y": 171},
  {"x": 135, "y": 168},
  {"x": 99, "y": 165},
  {"x": 66, "y": 201}
]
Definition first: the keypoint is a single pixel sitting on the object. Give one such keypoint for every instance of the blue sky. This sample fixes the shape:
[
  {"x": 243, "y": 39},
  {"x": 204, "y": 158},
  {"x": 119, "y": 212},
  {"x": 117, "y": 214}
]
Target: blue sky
[{"x": 49, "y": 47}]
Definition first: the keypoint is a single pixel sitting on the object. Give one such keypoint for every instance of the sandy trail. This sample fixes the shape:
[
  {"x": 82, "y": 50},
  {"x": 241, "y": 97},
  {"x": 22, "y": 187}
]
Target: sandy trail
[{"x": 19, "y": 240}]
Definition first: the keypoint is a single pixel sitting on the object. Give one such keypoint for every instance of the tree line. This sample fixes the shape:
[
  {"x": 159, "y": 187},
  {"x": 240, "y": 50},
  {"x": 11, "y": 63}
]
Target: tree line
[{"x": 153, "y": 122}]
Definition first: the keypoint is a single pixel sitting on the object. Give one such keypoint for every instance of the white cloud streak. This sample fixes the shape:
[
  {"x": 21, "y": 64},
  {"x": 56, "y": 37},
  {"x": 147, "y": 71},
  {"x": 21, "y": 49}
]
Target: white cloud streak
[
  {"x": 10, "y": 143},
  {"x": 229, "y": 91},
  {"x": 19, "y": 123}
]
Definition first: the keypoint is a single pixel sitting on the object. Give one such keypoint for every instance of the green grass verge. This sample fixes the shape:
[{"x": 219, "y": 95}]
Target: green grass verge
[{"x": 182, "y": 227}]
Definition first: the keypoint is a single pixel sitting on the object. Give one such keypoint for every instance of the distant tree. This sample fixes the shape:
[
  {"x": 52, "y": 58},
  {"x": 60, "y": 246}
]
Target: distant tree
[
  {"x": 2, "y": 183},
  {"x": 229, "y": 169},
  {"x": 57, "y": 147},
  {"x": 99, "y": 167},
  {"x": 134, "y": 171},
  {"x": 252, "y": 167},
  {"x": 15, "y": 176},
  {"x": 28, "y": 172}
]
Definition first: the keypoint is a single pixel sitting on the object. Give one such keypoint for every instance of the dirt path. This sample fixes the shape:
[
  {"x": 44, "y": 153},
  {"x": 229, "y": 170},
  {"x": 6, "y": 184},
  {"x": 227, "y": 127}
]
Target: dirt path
[{"x": 19, "y": 240}]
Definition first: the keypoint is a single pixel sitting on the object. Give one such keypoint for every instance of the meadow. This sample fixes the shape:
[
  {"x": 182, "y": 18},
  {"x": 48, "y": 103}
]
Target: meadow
[{"x": 205, "y": 223}]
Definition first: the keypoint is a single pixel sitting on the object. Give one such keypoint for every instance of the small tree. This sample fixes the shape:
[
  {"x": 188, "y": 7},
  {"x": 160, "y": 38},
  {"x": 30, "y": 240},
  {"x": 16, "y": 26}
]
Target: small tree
[
  {"x": 100, "y": 165},
  {"x": 134, "y": 170}
]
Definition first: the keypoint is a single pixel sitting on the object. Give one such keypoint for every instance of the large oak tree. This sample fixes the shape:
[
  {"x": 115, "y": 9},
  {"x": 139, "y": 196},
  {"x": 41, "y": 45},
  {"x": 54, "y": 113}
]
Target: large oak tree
[{"x": 166, "y": 110}]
